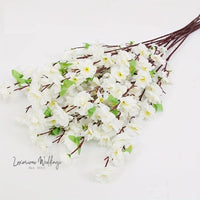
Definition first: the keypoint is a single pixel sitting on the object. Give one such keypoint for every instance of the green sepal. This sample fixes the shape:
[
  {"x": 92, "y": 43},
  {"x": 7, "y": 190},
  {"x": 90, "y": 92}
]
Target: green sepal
[
  {"x": 64, "y": 67},
  {"x": 113, "y": 100},
  {"x": 91, "y": 111},
  {"x": 55, "y": 131},
  {"x": 48, "y": 112},
  {"x": 129, "y": 149},
  {"x": 64, "y": 87},
  {"x": 132, "y": 68},
  {"x": 152, "y": 72},
  {"x": 158, "y": 107},
  {"x": 86, "y": 46}
]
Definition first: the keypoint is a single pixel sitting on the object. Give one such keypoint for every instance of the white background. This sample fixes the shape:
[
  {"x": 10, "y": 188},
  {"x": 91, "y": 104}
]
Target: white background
[{"x": 166, "y": 163}]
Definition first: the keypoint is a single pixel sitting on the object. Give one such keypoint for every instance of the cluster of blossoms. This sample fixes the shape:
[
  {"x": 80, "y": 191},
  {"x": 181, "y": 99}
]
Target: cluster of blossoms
[{"x": 96, "y": 92}]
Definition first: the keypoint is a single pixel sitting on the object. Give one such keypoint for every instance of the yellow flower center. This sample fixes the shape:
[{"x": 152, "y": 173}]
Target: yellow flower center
[
  {"x": 147, "y": 113},
  {"x": 36, "y": 96},
  {"x": 86, "y": 69},
  {"x": 53, "y": 121},
  {"x": 123, "y": 62},
  {"x": 124, "y": 103},
  {"x": 143, "y": 79},
  {"x": 120, "y": 74},
  {"x": 144, "y": 68},
  {"x": 134, "y": 128},
  {"x": 52, "y": 103},
  {"x": 105, "y": 60},
  {"x": 116, "y": 152},
  {"x": 89, "y": 133},
  {"x": 74, "y": 79},
  {"x": 101, "y": 99}
]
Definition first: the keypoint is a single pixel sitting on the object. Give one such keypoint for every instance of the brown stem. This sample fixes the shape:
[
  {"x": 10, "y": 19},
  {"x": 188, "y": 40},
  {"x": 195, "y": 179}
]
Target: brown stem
[
  {"x": 21, "y": 87},
  {"x": 127, "y": 91},
  {"x": 59, "y": 137},
  {"x": 140, "y": 97},
  {"x": 27, "y": 108},
  {"x": 107, "y": 160},
  {"x": 121, "y": 130},
  {"x": 71, "y": 108},
  {"x": 79, "y": 146}
]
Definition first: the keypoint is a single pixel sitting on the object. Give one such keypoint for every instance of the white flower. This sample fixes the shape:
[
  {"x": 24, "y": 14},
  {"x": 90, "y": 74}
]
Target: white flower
[
  {"x": 120, "y": 73},
  {"x": 82, "y": 101},
  {"x": 129, "y": 105},
  {"x": 108, "y": 82},
  {"x": 142, "y": 50},
  {"x": 36, "y": 97},
  {"x": 77, "y": 78},
  {"x": 117, "y": 155},
  {"x": 143, "y": 79},
  {"x": 118, "y": 90},
  {"x": 144, "y": 65},
  {"x": 59, "y": 117},
  {"x": 135, "y": 126},
  {"x": 96, "y": 50},
  {"x": 147, "y": 111},
  {"x": 87, "y": 69},
  {"x": 105, "y": 175},
  {"x": 105, "y": 141},
  {"x": 107, "y": 61},
  {"x": 35, "y": 119},
  {"x": 158, "y": 60},
  {"x": 164, "y": 77},
  {"x": 153, "y": 93},
  {"x": 122, "y": 59},
  {"x": 5, "y": 91}
]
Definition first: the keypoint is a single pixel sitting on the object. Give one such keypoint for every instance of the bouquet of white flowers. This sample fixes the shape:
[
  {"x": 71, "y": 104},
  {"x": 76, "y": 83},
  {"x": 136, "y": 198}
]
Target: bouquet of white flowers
[{"x": 98, "y": 92}]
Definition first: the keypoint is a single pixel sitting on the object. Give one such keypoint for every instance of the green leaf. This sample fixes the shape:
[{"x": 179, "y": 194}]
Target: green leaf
[
  {"x": 19, "y": 78},
  {"x": 48, "y": 112},
  {"x": 72, "y": 138},
  {"x": 88, "y": 79},
  {"x": 86, "y": 45},
  {"x": 69, "y": 154},
  {"x": 64, "y": 67},
  {"x": 131, "y": 42},
  {"x": 16, "y": 74},
  {"x": 115, "y": 112},
  {"x": 152, "y": 72},
  {"x": 76, "y": 140},
  {"x": 64, "y": 87},
  {"x": 55, "y": 131},
  {"x": 132, "y": 68},
  {"x": 113, "y": 100},
  {"x": 91, "y": 111},
  {"x": 84, "y": 127},
  {"x": 158, "y": 107},
  {"x": 28, "y": 81},
  {"x": 152, "y": 47},
  {"x": 129, "y": 149}
]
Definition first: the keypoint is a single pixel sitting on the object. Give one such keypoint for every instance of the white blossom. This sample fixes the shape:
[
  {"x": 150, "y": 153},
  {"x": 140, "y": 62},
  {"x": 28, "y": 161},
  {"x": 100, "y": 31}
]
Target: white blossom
[{"x": 105, "y": 174}]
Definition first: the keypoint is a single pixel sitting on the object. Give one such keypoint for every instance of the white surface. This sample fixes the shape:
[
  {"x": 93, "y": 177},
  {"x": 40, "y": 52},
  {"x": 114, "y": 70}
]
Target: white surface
[{"x": 166, "y": 164}]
